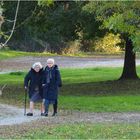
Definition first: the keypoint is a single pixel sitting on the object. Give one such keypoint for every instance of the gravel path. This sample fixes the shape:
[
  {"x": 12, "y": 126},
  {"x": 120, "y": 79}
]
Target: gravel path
[
  {"x": 10, "y": 115},
  {"x": 24, "y": 63}
]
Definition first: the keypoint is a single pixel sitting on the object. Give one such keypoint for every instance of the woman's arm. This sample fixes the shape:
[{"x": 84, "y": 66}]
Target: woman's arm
[
  {"x": 44, "y": 78},
  {"x": 26, "y": 79},
  {"x": 58, "y": 78}
]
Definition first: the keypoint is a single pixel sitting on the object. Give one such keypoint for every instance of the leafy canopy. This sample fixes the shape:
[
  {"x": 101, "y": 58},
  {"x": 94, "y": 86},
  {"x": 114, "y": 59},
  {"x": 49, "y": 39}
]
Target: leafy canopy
[{"x": 118, "y": 16}]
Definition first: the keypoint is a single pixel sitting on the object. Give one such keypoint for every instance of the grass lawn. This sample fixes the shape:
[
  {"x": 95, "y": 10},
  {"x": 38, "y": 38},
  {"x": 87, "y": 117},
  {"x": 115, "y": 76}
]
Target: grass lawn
[
  {"x": 86, "y": 131},
  {"x": 5, "y": 54},
  {"x": 91, "y": 89},
  {"x": 130, "y": 103},
  {"x": 75, "y": 131},
  {"x": 70, "y": 76}
]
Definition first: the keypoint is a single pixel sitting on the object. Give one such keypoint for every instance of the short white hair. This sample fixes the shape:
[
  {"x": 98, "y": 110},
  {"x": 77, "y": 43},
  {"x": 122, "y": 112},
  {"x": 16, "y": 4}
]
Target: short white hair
[
  {"x": 37, "y": 64},
  {"x": 50, "y": 60}
]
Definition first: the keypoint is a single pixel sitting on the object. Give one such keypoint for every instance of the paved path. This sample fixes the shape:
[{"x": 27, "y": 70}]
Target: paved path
[
  {"x": 24, "y": 63},
  {"x": 10, "y": 115}
]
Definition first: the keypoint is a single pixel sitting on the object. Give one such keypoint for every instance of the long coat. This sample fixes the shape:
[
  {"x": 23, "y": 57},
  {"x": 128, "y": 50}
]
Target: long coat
[
  {"x": 33, "y": 79},
  {"x": 50, "y": 91}
]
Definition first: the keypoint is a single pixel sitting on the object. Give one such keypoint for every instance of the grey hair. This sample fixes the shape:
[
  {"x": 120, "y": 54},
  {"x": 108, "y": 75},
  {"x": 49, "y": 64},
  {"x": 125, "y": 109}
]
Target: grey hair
[
  {"x": 51, "y": 60},
  {"x": 37, "y": 64}
]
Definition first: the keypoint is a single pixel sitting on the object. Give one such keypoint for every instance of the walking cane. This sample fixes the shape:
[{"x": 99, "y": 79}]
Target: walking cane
[{"x": 26, "y": 91}]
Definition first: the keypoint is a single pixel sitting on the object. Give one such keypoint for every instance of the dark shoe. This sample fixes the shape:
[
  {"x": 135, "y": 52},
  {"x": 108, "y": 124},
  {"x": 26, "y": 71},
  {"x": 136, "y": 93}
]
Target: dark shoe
[
  {"x": 29, "y": 114},
  {"x": 42, "y": 114},
  {"x": 46, "y": 114},
  {"x": 54, "y": 114}
]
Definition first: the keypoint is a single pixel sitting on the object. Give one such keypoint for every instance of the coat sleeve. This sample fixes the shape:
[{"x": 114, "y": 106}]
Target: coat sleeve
[
  {"x": 26, "y": 79},
  {"x": 44, "y": 77},
  {"x": 58, "y": 78}
]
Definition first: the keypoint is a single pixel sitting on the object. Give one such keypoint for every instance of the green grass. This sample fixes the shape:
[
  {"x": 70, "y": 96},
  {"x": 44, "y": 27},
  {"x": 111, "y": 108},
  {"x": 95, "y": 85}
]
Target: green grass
[
  {"x": 98, "y": 91},
  {"x": 75, "y": 131},
  {"x": 12, "y": 78},
  {"x": 5, "y": 54},
  {"x": 88, "y": 75},
  {"x": 89, "y": 90},
  {"x": 118, "y": 103},
  {"x": 86, "y": 131},
  {"x": 71, "y": 76}
]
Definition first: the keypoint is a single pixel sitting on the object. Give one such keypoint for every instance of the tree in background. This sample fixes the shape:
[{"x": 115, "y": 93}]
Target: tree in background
[
  {"x": 51, "y": 26},
  {"x": 65, "y": 23},
  {"x": 21, "y": 37},
  {"x": 57, "y": 24},
  {"x": 121, "y": 17}
]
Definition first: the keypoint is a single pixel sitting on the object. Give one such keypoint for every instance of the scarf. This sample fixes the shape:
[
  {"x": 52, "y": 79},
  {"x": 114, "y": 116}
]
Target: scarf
[{"x": 49, "y": 74}]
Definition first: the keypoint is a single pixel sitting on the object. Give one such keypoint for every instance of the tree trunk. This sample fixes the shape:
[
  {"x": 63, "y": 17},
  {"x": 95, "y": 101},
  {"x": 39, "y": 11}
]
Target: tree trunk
[{"x": 129, "y": 69}]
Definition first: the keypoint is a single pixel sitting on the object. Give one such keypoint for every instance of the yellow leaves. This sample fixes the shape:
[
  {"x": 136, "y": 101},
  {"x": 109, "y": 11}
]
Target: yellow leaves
[{"x": 108, "y": 44}]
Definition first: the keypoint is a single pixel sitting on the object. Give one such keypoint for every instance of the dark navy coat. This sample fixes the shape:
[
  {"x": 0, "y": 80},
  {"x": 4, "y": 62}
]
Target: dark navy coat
[
  {"x": 50, "y": 90},
  {"x": 33, "y": 79}
]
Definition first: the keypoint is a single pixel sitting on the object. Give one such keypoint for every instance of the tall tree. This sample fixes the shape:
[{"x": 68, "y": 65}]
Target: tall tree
[
  {"x": 64, "y": 21},
  {"x": 121, "y": 17},
  {"x": 58, "y": 23},
  {"x": 21, "y": 37}
]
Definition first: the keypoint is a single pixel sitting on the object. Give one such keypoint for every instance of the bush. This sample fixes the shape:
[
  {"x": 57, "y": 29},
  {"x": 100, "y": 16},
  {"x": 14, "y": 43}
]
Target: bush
[
  {"x": 73, "y": 47},
  {"x": 17, "y": 73},
  {"x": 107, "y": 44}
]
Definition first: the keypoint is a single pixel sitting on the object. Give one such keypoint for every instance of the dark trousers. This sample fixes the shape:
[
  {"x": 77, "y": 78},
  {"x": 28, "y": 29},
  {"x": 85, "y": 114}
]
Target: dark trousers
[
  {"x": 55, "y": 106},
  {"x": 47, "y": 103}
]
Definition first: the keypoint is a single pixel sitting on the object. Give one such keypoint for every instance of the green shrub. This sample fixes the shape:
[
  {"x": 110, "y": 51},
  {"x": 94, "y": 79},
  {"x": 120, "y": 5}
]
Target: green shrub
[{"x": 17, "y": 73}]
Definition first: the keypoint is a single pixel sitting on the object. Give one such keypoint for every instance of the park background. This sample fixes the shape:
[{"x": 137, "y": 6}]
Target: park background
[{"x": 79, "y": 30}]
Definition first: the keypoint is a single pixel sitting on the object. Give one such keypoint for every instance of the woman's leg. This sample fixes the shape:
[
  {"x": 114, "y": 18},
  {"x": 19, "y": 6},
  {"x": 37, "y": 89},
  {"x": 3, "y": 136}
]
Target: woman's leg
[
  {"x": 42, "y": 108},
  {"x": 31, "y": 109},
  {"x": 46, "y": 107},
  {"x": 55, "y": 107},
  {"x": 31, "y": 106}
]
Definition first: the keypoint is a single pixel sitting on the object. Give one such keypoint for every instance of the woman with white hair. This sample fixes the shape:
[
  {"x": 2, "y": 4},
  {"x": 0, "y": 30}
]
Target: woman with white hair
[
  {"x": 52, "y": 80},
  {"x": 33, "y": 82}
]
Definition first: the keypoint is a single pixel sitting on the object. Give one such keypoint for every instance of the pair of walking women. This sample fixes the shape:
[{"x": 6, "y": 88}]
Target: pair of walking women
[{"x": 42, "y": 85}]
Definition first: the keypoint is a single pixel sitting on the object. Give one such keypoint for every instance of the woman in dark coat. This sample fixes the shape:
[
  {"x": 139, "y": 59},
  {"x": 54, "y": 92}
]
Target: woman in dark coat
[
  {"x": 52, "y": 81},
  {"x": 33, "y": 82}
]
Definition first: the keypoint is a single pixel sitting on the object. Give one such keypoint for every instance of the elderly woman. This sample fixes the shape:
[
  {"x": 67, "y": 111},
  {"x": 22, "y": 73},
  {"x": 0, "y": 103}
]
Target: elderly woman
[
  {"x": 52, "y": 80},
  {"x": 33, "y": 82}
]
